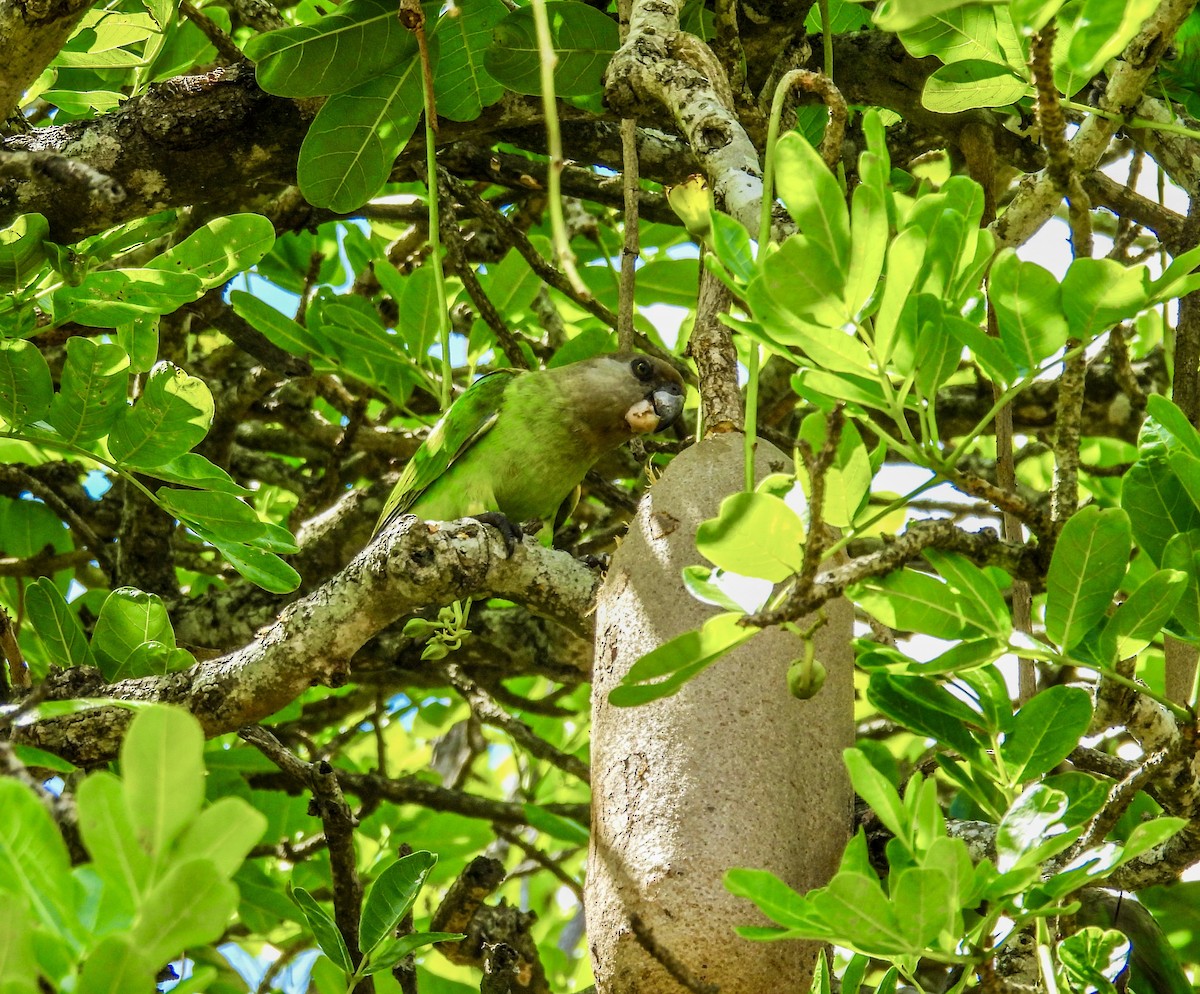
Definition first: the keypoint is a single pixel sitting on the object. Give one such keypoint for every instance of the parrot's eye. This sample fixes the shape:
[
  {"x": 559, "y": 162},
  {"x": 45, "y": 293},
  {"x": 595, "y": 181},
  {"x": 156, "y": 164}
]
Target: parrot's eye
[{"x": 642, "y": 369}]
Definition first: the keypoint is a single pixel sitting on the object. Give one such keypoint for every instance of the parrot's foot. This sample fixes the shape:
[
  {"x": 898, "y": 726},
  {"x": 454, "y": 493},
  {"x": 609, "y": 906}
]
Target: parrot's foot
[
  {"x": 600, "y": 563},
  {"x": 512, "y": 533}
]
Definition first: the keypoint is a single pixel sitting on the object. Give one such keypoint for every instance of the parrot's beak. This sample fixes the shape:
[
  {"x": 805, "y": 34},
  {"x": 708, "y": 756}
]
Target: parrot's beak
[{"x": 668, "y": 404}]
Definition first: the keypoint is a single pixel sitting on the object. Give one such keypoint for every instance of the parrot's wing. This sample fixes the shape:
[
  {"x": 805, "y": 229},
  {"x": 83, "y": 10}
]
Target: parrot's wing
[{"x": 469, "y": 419}]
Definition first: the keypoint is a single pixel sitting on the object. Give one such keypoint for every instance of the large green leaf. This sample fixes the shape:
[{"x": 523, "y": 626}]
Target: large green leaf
[
  {"x": 1028, "y": 311},
  {"x": 33, "y": 858},
  {"x": 754, "y": 534},
  {"x": 128, "y": 619},
  {"x": 462, "y": 87},
  {"x": 172, "y": 414},
  {"x": 1159, "y": 507},
  {"x": 91, "y": 396},
  {"x": 356, "y": 42},
  {"x": 163, "y": 769},
  {"x": 107, "y": 298},
  {"x": 1089, "y": 562},
  {"x": 965, "y": 86},
  {"x": 220, "y": 249},
  {"x": 391, "y": 896},
  {"x": 354, "y": 140},
  {"x": 813, "y": 197},
  {"x": 1044, "y": 731},
  {"x": 664, "y": 670},
  {"x": 584, "y": 40},
  {"x": 25, "y": 385},
  {"x": 57, "y": 625}
]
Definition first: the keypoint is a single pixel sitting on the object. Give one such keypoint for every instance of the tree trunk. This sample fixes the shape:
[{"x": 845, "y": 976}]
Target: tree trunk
[{"x": 732, "y": 771}]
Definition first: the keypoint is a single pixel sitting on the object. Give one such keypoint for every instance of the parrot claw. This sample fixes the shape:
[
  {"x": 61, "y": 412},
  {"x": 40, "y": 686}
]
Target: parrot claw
[
  {"x": 513, "y": 535},
  {"x": 598, "y": 563}
]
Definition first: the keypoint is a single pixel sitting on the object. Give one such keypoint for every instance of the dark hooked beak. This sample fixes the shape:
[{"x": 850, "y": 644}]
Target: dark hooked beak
[{"x": 668, "y": 404}]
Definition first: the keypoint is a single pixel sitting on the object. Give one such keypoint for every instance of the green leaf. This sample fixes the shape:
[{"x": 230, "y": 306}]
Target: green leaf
[
  {"x": 1089, "y": 562},
  {"x": 190, "y": 906},
  {"x": 1159, "y": 505},
  {"x": 193, "y": 470},
  {"x": 868, "y": 247},
  {"x": 772, "y": 896},
  {"x": 1174, "y": 422},
  {"x": 172, "y": 414},
  {"x": 33, "y": 859},
  {"x": 108, "y": 298},
  {"x": 973, "y": 32},
  {"x": 556, "y": 826},
  {"x": 754, "y": 534},
  {"x": 967, "y": 85},
  {"x": 917, "y": 602},
  {"x": 355, "y": 138},
  {"x": 1099, "y": 293},
  {"x": 22, "y": 253},
  {"x": 927, "y": 708},
  {"x": 57, "y": 625},
  {"x": 388, "y": 954},
  {"x": 163, "y": 767},
  {"x": 226, "y": 517},
  {"x": 879, "y": 794},
  {"x": 1099, "y": 31},
  {"x": 1141, "y": 618},
  {"x": 27, "y": 526},
  {"x": 391, "y": 896},
  {"x": 324, "y": 930},
  {"x": 1028, "y": 311},
  {"x": 25, "y": 385},
  {"x": 221, "y": 249},
  {"x": 664, "y": 670},
  {"x": 116, "y": 966},
  {"x": 265, "y": 569},
  {"x": 462, "y": 86},
  {"x": 108, "y": 833},
  {"x": 356, "y": 42},
  {"x": 903, "y": 15},
  {"x": 1182, "y": 553},
  {"x": 975, "y": 592},
  {"x": 1093, "y": 956},
  {"x": 927, "y": 899},
  {"x": 128, "y": 619},
  {"x": 223, "y": 834},
  {"x": 1045, "y": 731},
  {"x": 855, "y": 907},
  {"x": 813, "y": 197},
  {"x": 1033, "y": 829},
  {"x": 91, "y": 396},
  {"x": 584, "y": 40},
  {"x": 280, "y": 330}
]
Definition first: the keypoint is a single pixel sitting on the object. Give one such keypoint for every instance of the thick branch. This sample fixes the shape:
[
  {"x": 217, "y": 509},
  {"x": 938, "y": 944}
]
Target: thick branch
[{"x": 414, "y": 565}]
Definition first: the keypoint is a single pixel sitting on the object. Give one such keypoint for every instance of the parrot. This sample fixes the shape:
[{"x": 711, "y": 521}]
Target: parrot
[{"x": 517, "y": 444}]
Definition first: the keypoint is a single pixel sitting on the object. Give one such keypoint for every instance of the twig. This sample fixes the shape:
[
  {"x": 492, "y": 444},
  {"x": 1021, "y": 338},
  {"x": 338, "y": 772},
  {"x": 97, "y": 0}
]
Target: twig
[
  {"x": 226, "y": 47},
  {"x": 490, "y": 713},
  {"x": 631, "y": 247},
  {"x": 542, "y": 860},
  {"x": 338, "y": 822},
  {"x": 452, "y": 235}
]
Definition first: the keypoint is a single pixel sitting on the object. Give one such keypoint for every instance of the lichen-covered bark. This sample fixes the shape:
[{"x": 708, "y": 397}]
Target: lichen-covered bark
[
  {"x": 31, "y": 33},
  {"x": 413, "y": 565}
]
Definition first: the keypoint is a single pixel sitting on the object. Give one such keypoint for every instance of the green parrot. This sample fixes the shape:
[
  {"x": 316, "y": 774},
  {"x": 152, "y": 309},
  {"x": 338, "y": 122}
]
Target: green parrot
[{"x": 516, "y": 445}]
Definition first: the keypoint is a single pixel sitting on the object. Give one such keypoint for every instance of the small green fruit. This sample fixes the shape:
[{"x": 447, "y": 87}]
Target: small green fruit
[{"x": 805, "y": 678}]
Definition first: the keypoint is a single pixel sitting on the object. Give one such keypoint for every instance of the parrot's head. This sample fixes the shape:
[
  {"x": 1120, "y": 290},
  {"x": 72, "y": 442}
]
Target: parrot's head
[{"x": 661, "y": 403}]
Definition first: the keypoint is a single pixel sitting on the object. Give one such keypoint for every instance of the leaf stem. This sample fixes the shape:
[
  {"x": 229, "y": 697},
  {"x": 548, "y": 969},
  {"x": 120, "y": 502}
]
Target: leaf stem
[{"x": 547, "y": 61}]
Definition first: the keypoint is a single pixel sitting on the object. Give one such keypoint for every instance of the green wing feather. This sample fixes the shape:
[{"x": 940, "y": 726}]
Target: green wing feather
[{"x": 470, "y": 418}]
